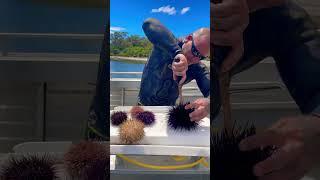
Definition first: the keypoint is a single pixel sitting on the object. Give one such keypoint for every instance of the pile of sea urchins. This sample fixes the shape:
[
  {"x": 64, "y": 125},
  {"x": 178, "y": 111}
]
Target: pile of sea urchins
[{"x": 131, "y": 129}]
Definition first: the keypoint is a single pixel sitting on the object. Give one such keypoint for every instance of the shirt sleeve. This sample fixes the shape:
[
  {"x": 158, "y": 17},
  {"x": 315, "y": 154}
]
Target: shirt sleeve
[
  {"x": 161, "y": 37},
  {"x": 202, "y": 76},
  {"x": 287, "y": 34},
  {"x": 298, "y": 58}
]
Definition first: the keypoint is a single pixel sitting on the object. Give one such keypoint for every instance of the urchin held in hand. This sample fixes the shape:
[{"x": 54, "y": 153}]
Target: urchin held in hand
[
  {"x": 179, "y": 119},
  {"x": 29, "y": 167},
  {"x": 229, "y": 162}
]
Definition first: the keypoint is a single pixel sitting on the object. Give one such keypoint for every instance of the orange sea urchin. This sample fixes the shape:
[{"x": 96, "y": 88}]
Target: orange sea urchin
[{"x": 131, "y": 131}]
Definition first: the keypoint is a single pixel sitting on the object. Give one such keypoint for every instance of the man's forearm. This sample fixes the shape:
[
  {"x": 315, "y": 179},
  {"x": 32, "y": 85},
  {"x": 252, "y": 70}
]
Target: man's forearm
[{"x": 255, "y": 5}]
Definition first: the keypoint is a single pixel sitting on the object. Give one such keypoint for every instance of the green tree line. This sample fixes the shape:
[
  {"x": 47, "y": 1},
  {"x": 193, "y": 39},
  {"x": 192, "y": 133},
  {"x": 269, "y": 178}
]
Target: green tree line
[{"x": 123, "y": 44}]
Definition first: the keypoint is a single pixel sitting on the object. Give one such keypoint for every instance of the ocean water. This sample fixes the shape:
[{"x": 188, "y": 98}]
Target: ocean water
[{"x": 117, "y": 66}]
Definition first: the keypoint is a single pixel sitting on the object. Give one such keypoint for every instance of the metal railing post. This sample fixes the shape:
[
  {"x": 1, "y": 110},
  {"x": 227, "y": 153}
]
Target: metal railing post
[{"x": 122, "y": 96}]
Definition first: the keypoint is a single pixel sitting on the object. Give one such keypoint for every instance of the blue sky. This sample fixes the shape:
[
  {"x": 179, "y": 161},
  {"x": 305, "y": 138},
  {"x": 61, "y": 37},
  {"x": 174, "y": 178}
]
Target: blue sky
[{"x": 180, "y": 16}]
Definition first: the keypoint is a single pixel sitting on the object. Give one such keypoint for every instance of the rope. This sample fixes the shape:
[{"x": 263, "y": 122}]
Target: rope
[{"x": 172, "y": 167}]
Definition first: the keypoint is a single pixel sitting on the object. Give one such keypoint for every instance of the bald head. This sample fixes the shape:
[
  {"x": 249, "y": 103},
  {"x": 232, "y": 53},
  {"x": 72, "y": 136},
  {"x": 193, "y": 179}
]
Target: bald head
[{"x": 201, "y": 39}]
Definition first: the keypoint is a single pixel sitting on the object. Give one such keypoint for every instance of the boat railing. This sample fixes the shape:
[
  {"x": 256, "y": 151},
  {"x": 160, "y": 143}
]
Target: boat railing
[
  {"x": 124, "y": 92},
  {"x": 10, "y": 41}
]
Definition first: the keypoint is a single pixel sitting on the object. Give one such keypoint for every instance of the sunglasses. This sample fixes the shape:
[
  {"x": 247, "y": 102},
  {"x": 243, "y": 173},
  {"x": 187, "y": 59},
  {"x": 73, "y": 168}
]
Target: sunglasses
[{"x": 196, "y": 52}]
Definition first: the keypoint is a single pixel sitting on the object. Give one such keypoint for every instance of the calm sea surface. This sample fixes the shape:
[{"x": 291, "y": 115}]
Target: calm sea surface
[{"x": 116, "y": 66}]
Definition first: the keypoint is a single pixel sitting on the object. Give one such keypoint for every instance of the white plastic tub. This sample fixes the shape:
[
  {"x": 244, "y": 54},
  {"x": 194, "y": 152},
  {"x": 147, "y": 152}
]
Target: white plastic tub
[{"x": 161, "y": 140}]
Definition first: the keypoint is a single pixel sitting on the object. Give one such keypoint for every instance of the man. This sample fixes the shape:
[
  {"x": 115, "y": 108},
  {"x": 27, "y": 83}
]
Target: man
[
  {"x": 159, "y": 82},
  {"x": 255, "y": 29}
]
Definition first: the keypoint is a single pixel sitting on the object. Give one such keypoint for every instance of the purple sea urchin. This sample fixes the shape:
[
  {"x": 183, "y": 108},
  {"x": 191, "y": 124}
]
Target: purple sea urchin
[
  {"x": 118, "y": 117},
  {"x": 135, "y": 110},
  {"x": 178, "y": 118},
  {"x": 88, "y": 160},
  {"x": 32, "y": 167},
  {"x": 131, "y": 131},
  {"x": 147, "y": 117},
  {"x": 231, "y": 163}
]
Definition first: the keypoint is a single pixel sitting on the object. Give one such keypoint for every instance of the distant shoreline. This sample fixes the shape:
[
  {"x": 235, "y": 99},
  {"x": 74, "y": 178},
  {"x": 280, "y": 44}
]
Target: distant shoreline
[
  {"x": 136, "y": 60},
  {"x": 140, "y": 60}
]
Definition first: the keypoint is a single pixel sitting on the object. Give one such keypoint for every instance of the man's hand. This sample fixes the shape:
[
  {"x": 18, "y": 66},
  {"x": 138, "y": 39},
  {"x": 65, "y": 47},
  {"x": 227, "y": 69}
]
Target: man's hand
[
  {"x": 202, "y": 108},
  {"x": 230, "y": 19},
  {"x": 297, "y": 141},
  {"x": 180, "y": 68}
]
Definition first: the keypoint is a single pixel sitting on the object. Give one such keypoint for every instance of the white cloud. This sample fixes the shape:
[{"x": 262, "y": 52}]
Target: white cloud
[
  {"x": 185, "y": 10},
  {"x": 165, "y": 9},
  {"x": 115, "y": 29}
]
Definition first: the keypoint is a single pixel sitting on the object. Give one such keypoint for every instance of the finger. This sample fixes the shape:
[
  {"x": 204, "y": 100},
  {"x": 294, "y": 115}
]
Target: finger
[
  {"x": 184, "y": 77},
  {"x": 196, "y": 112},
  {"x": 228, "y": 23},
  {"x": 199, "y": 117},
  {"x": 179, "y": 66},
  {"x": 193, "y": 105},
  {"x": 188, "y": 106},
  {"x": 289, "y": 128},
  {"x": 174, "y": 68},
  {"x": 174, "y": 76},
  {"x": 176, "y": 71},
  {"x": 230, "y": 38},
  {"x": 294, "y": 171},
  {"x": 268, "y": 138},
  {"x": 224, "y": 9},
  {"x": 203, "y": 115},
  {"x": 279, "y": 124},
  {"x": 280, "y": 159},
  {"x": 233, "y": 57}
]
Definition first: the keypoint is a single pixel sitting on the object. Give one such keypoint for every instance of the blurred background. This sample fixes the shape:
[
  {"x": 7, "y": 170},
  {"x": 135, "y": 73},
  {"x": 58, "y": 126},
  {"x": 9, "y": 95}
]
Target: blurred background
[{"x": 49, "y": 55}]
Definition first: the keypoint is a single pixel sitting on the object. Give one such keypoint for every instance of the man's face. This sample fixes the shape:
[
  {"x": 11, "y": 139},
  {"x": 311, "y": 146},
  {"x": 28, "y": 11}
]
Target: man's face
[{"x": 195, "y": 49}]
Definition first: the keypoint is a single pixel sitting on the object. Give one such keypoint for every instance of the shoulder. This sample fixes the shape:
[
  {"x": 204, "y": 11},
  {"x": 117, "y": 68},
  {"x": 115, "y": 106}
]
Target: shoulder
[
  {"x": 196, "y": 69},
  {"x": 198, "y": 66}
]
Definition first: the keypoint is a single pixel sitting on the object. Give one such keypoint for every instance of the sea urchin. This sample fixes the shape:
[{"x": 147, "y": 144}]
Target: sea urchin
[
  {"x": 178, "y": 118},
  {"x": 131, "y": 131},
  {"x": 87, "y": 160},
  {"x": 29, "y": 167},
  {"x": 135, "y": 110},
  {"x": 118, "y": 117},
  {"x": 147, "y": 117},
  {"x": 229, "y": 162}
]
